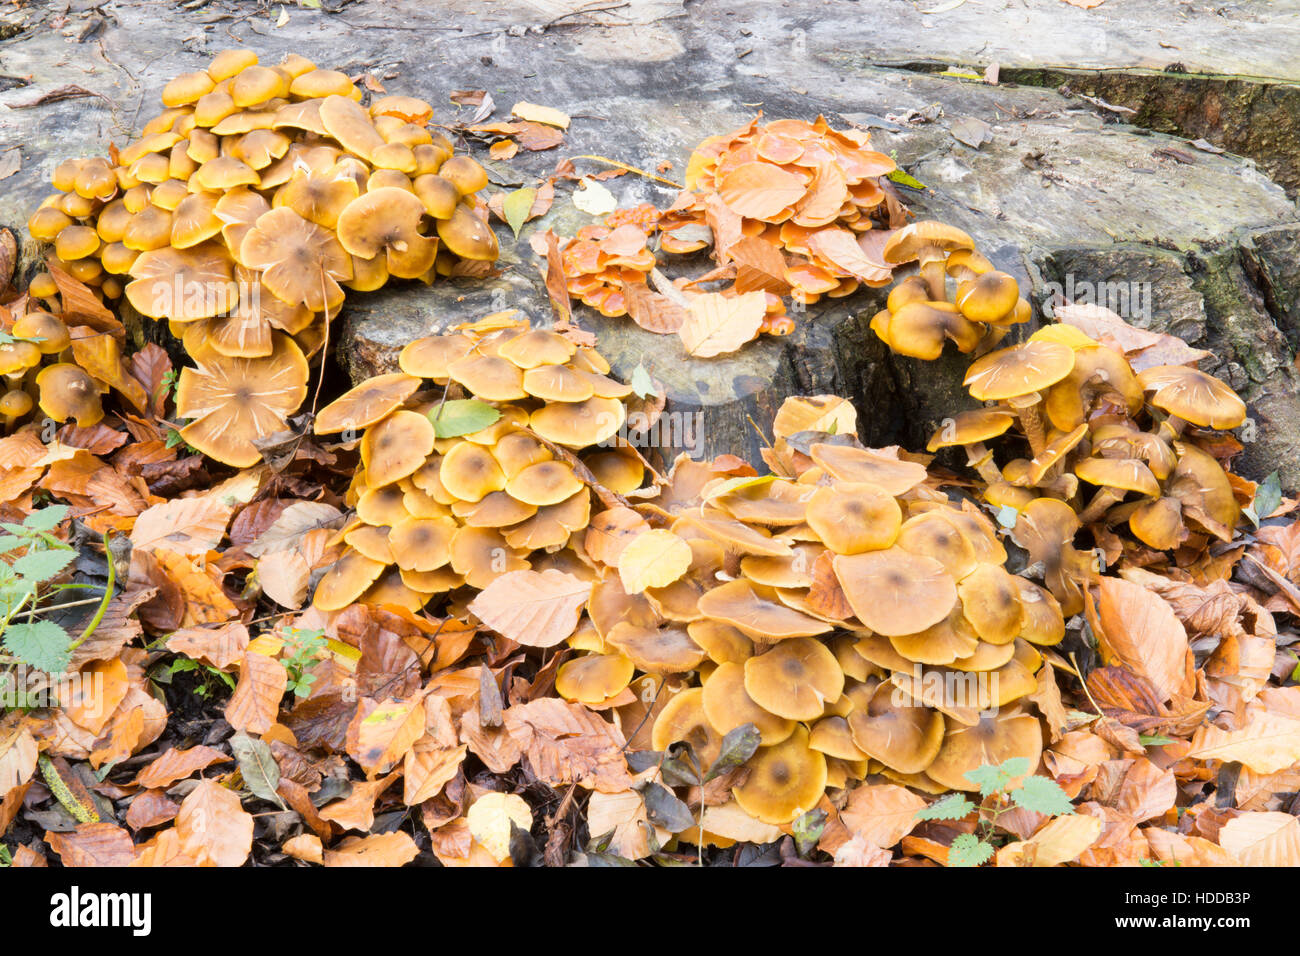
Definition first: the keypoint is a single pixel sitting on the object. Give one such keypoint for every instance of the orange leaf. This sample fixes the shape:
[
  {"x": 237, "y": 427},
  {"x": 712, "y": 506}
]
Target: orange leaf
[
  {"x": 213, "y": 826},
  {"x": 534, "y": 608},
  {"x": 255, "y": 704},
  {"x": 761, "y": 190},
  {"x": 162, "y": 772},
  {"x": 1267, "y": 838},
  {"x": 380, "y": 734},
  {"x": 93, "y": 844},
  {"x": 1143, "y": 633},
  {"x": 379, "y": 849},
  {"x": 716, "y": 324},
  {"x": 184, "y": 525}
]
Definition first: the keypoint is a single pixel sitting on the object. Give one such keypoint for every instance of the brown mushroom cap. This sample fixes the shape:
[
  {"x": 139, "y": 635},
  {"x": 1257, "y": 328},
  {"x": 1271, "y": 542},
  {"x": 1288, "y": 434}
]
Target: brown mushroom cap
[
  {"x": 384, "y": 505},
  {"x": 469, "y": 472},
  {"x": 467, "y": 235},
  {"x": 1159, "y": 523},
  {"x": 1019, "y": 370},
  {"x": 346, "y": 581},
  {"x": 183, "y": 285},
  {"x": 896, "y": 730},
  {"x": 48, "y": 333},
  {"x": 933, "y": 535},
  {"x": 990, "y": 599},
  {"x": 894, "y": 592},
  {"x": 722, "y": 642},
  {"x": 988, "y": 297},
  {"x": 951, "y": 639},
  {"x": 431, "y": 357},
  {"x": 924, "y": 238},
  {"x": 1123, "y": 474},
  {"x": 489, "y": 377},
  {"x": 919, "y": 329},
  {"x": 785, "y": 781},
  {"x": 396, "y": 446},
  {"x": 579, "y": 424},
  {"x": 795, "y": 679},
  {"x": 1201, "y": 485},
  {"x": 438, "y": 195},
  {"x": 1193, "y": 395},
  {"x": 66, "y": 391},
  {"x": 422, "y": 544},
  {"x": 301, "y": 263},
  {"x": 229, "y": 62},
  {"x": 831, "y": 736},
  {"x": 224, "y": 172},
  {"x": 366, "y": 404},
  {"x": 186, "y": 88},
  {"x": 371, "y": 541},
  {"x": 728, "y": 706},
  {"x": 236, "y": 400},
  {"x": 756, "y": 612},
  {"x": 683, "y": 718},
  {"x": 852, "y": 517},
  {"x": 593, "y": 678},
  {"x": 349, "y": 123},
  {"x": 321, "y": 83},
  {"x": 849, "y": 463},
  {"x": 656, "y": 650},
  {"x": 545, "y": 483},
  {"x": 387, "y": 221},
  {"x": 993, "y": 740},
  {"x": 970, "y": 427}
]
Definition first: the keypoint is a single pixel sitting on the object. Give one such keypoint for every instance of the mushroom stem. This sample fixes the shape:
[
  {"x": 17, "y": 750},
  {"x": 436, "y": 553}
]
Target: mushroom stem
[
  {"x": 1031, "y": 419},
  {"x": 1100, "y": 504},
  {"x": 936, "y": 279},
  {"x": 981, "y": 459}
]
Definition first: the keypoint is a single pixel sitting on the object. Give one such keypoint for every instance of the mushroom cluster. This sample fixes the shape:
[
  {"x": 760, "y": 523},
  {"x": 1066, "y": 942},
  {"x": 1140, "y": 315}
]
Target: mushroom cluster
[
  {"x": 602, "y": 260},
  {"x": 955, "y": 296},
  {"x": 1091, "y": 441},
  {"x": 454, "y": 492},
  {"x": 810, "y": 192},
  {"x": 842, "y": 605},
  {"x": 250, "y": 203}
]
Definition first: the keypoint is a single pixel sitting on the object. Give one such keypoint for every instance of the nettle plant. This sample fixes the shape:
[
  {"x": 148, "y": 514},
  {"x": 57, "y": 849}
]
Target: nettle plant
[
  {"x": 997, "y": 796},
  {"x": 32, "y": 563}
]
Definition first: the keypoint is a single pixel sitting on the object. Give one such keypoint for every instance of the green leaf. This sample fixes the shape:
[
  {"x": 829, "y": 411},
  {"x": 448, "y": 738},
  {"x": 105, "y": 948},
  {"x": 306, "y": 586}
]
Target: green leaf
[
  {"x": 1154, "y": 740},
  {"x": 808, "y": 830},
  {"x": 1042, "y": 795},
  {"x": 43, "y": 565},
  {"x": 903, "y": 179},
  {"x": 1268, "y": 497},
  {"x": 737, "y": 747},
  {"x": 642, "y": 383},
  {"x": 260, "y": 771},
  {"x": 517, "y": 206},
  {"x": 664, "y": 809},
  {"x": 462, "y": 416},
  {"x": 1007, "y": 516},
  {"x": 967, "y": 850},
  {"x": 39, "y": 644},
  {"x": 991, "y": 779},
  {"x": 954, "y": 806},
  {"x": 49, "y": 517}
]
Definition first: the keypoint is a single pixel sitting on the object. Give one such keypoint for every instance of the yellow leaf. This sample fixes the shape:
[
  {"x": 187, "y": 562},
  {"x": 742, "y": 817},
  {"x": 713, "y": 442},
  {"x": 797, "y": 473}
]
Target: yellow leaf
[
  {"x": 653, "y": 559},
  {"x": 490, "y": 817},
  {"x": 541, "y": 114},
  {"x": 1266, "y": 743},
  {"x": 716, "y": 324},
  {"x": 1263, "y": 839}
]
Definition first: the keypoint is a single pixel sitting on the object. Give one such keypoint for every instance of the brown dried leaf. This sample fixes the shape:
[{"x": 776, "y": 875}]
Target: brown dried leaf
[
  {"x": 533, "y": 608},
  {"x": 255, "y": 704},
  {"x": 213, "y": 826}
]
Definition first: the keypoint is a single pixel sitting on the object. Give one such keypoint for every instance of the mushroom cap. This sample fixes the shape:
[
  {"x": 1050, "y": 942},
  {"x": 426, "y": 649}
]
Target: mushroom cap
[
  {"x": 1201, "y": 485},
  {"x": 620, "y": 472},
  {"x": 422, "y": 544},
  {"x": 785, "y": 781},
  {"x": 383, "y": 505},
  {"x": 15, "y": 403},
  {"x": 593, "y": 678},
  {"x": 894, "y": 592},
  {"x": 1125, "y": 474},
  {"x": 254, "y": 85},
  {"x": 795, "y": 679},
  {"x": 410, "y": 109},
  {"x": 1098, "y": 371},
  {"x": 227, "y": 63},
  {"x": 320, "y": 197},
  {"x": 951, "y": 639},
  {"x": 722, "y": 642},
  {"x": 366, "y": 404},
  {"x": 756, "y": 612},
  {"x": 993, "y": 740},
  {"x": 349, "y": 123},
  {"x": 1043, "y": 624},
  {"x": 516, "y": 450},
  {"x": 728, "y": 706},
  {"x": 438, "y": 195},
  {"x": 1019, "y": 370},
  {"x": 926, "y": 237},
  {"x": 933, "y": 535},
  {"x": 225, "y": 172},
  {"x": 666, "y": 649},
  {"x": 1159, "y": 523},
  {"x": 238, "y": 210},
  {"x": 349, "y": 578},
  {"x": 683, "y": 719},
  {"x": 66, "y": 391},
  {"x": 371, "y": 541},
  {"x": 195, "y": 220},
  {"x": 47, "y": 332},
  {"x": 467, "y": 235},
  {"x": 919, "y": 329},
  {"x": 186, "y": 88},
  {"x": 988, "y": 297},
  {"x": 321, "y": 83},
  {"x": 488, "y": 377},
  {"x": 990, "y": 600},
  {"x": 183, "y": 285},
  {"x": 896, "y": 730},
  {"x": 545, "y": 483},
  {"x": 831, "y": 736},
  {"x": 76, "y": 242},
  {"x": 236, "y": 400},
  {"x": 431, "y": 357},
  {"x": 396, "y": 446},
  {"x": 909, "y": 290},
  {"x": 469, "y": 472},
  {"x": 557, "y": 383},
  {"x": 850, "y": 463},
  {"x": 300, "y": 261},
  {"x": 1193, "y": 395},
  {"x": 387, "y": 221},
  {"x": 970, "y": 427},
  {"x": 852, "y": 517},
  {"x": 579, "y": 424}
]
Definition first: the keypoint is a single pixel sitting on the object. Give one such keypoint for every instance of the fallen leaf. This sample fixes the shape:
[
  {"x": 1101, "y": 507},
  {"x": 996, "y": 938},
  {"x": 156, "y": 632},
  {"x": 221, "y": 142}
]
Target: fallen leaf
[
  {"x": 161, "y": 772},
  {"x": 540, "y": 114},
  {"x": 533, "y": 608},
  {"x": 1142, "y": 631},
  {"x": 653, "y": 559},
  {"x": 212, "y": 825},
  {"x": 1263, "y": 839},
  {"x": 255, "y": 704},
  {"x": 94, "y": 844},
  {"x": 882, "y": 814},
  {"x": 379, "y": 849},
  {"x": 716, "y": 324},
  {"x": 490, "y": 817}
]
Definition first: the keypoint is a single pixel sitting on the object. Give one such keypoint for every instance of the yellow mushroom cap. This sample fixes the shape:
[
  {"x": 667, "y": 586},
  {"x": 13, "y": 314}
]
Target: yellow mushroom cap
[
  {"x": 795, "y": 679},
  {"x": 785, "y": 781},
  {"x": 894, "y": 592}
]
